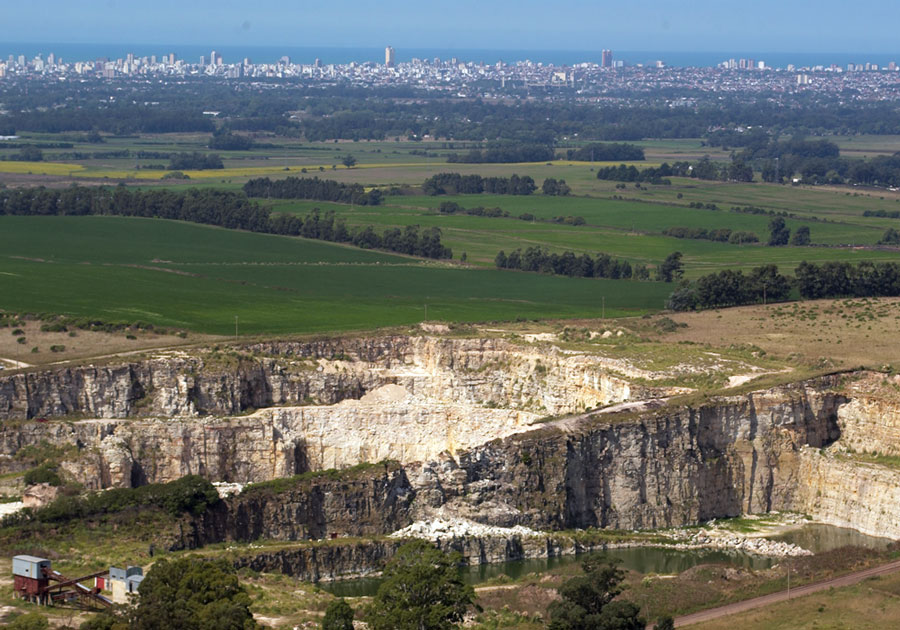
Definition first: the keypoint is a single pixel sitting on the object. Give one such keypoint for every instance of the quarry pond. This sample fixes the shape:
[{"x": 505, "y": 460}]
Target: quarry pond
[{"x": 815, "y": 537}]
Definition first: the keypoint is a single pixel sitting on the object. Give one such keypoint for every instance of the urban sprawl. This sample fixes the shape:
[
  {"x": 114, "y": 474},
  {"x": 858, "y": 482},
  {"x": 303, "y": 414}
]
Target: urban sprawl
[{"x": 607, "y": 80}]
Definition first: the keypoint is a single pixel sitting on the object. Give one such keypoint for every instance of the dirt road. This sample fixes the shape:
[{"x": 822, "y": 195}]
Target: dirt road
[{"x": 758, "y": 602}]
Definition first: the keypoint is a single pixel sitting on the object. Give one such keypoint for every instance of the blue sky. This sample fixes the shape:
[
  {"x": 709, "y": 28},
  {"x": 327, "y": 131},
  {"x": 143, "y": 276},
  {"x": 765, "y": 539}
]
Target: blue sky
[{"x": 686, "y": 25}]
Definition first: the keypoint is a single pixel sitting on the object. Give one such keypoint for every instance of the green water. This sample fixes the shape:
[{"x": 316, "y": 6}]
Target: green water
[{"x": 815, "y": 537}]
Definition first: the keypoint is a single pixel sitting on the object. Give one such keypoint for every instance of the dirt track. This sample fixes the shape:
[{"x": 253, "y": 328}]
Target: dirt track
[{"x": 800, "y": 591}]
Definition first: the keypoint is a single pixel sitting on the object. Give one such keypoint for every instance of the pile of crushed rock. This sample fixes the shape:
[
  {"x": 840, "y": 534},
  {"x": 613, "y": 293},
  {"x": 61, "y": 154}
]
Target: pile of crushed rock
[{"x": 445, "y": 529}]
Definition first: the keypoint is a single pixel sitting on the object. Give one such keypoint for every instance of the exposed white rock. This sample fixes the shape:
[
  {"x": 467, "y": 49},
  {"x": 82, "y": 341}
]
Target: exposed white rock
[
  {"x": 226, "y": 489},
  {"x": 448, "y": 528}
]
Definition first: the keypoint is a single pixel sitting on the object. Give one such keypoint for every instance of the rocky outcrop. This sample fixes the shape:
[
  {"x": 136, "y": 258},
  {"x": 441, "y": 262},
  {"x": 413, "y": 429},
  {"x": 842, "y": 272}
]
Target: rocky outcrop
[
  {"x": 482, "y": 372},
  {"x": 369, "y": 500}
]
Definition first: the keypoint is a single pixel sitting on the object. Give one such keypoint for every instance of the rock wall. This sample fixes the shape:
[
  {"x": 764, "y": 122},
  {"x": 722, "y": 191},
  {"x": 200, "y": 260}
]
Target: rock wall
[
  {"x": 870, "y": 421},
  {"x": 851, "y": 494},
  {"x": 483, "y": 372},
  {"x": 671, "y": 468}
]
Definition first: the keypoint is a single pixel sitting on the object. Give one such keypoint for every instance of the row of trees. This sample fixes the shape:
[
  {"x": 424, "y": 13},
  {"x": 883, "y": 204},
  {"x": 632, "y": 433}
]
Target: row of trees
[
  {"x": 606, "y": 152},
  {"x": 568, "y": 264},
  {"x": 312, "y": 188},
  {"x": 651, "y": 175},
  {"x": 732, "y": 288},
  {"x": 842, "y": 279},
  {"x": 195, "y": 161},
  {"x": 505, "y": 152},
  {"x": 215, "y": 207},
  {"x": 410, "y": 240},
  {"x": 721, "y": 235},
  {"x": 764, "y": 284},
  {"x": 456, "y": 184}
]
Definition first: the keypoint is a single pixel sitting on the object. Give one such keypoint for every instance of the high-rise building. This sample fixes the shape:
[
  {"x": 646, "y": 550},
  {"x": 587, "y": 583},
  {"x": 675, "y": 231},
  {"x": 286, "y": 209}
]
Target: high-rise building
[
  {"x": 389, "y": 57},
  {"x": 606, "y": 59}
]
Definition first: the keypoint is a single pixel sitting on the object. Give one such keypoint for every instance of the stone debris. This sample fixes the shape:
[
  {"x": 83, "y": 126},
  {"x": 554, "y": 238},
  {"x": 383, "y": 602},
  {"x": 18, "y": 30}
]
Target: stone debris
[
  {"x": 226, "y": 489},
  {"x": 10, "y": 508},
  {"x": 733, "y": 542},
  {"x": 445, "y": 529}
]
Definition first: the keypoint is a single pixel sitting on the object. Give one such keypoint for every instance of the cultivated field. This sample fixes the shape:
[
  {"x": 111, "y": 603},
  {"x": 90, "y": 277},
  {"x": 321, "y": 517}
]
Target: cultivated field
[{"x": 199, "y": 278}]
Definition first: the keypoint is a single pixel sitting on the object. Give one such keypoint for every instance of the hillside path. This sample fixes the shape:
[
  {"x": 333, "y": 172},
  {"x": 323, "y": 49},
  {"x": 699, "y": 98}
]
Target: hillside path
[{"x": 757, "y": 602}]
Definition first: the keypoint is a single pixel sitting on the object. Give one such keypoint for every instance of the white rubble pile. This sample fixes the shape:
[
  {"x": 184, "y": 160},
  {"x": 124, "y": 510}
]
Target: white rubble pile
[
  {"x": 226, "y": 489},
  {"x": 10, "y": 508},
  {"x": 445, "y": 529},
  {"x": 757, "y": 546}
]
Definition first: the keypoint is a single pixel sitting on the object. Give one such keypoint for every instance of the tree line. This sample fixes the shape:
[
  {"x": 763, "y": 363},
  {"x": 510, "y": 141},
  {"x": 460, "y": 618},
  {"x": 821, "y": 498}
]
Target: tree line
[
  {"x": 538, "y": 259},
  {"x": 732, "y": 288},
  {"x": 209, "y": 206},
  {"x": 721, "y": 235},
  {"x": 651, "y": 175},
  {"x": 410, "y": 240},
  {"x": 195, "y": 161},
  {"x": 312, "y": 188},
  {"x": 842, "y": 279},
  {"x": 606, "y": 152},
  {"x": 502, "y": 153},
  {"x": 456, "y": 184},
  {"x": 765, "y": 284}
]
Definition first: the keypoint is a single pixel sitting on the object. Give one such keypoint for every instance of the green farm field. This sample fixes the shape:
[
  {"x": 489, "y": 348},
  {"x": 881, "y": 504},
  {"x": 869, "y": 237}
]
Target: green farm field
[
  {"x": 199, "y": 278},
  {"x": 625, "y": 229}
]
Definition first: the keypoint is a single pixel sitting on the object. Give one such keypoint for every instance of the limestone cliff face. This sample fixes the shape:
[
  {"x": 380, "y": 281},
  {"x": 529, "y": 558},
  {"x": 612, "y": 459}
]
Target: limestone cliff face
[
  {"x": 369, "y": 501},
  {"x": 672, "y": 468},
  {"x": 845, "y": 493},
  {"x": 485, "y": 372},
  {"x": 870, "y": 421}
]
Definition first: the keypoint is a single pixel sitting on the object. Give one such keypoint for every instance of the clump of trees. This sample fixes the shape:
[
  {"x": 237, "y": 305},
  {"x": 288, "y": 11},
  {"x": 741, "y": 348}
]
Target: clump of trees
[
  {"x": 505, "y": 152},
  {"x": 195, "y": 161},
  {"x": 225, "y": 140},
  {"x": 456, "y": 184},
  {"x": 538, "y": 259},
  {"x": 606, "y": 152},
  {"x": 779, "y": 233},
  {"x": 422, "y": 590},
  {"x": 188, "y": 593},
  {"x": 591, "y": 601},
  {"x": 890, "y": 237},
  {"x": 312, "y": 188},
  {"x": 554, "y": 187}
]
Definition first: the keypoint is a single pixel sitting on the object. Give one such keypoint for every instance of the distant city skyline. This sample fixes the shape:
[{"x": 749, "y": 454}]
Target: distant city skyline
[{"x": 865, "y": 26}]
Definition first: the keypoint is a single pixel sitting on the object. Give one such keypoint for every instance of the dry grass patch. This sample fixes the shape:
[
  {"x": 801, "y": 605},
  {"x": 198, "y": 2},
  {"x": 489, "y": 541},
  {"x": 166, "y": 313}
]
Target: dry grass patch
[
  {"x": 74, "y": 344},
  {"x": 827, "y": 333}
]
